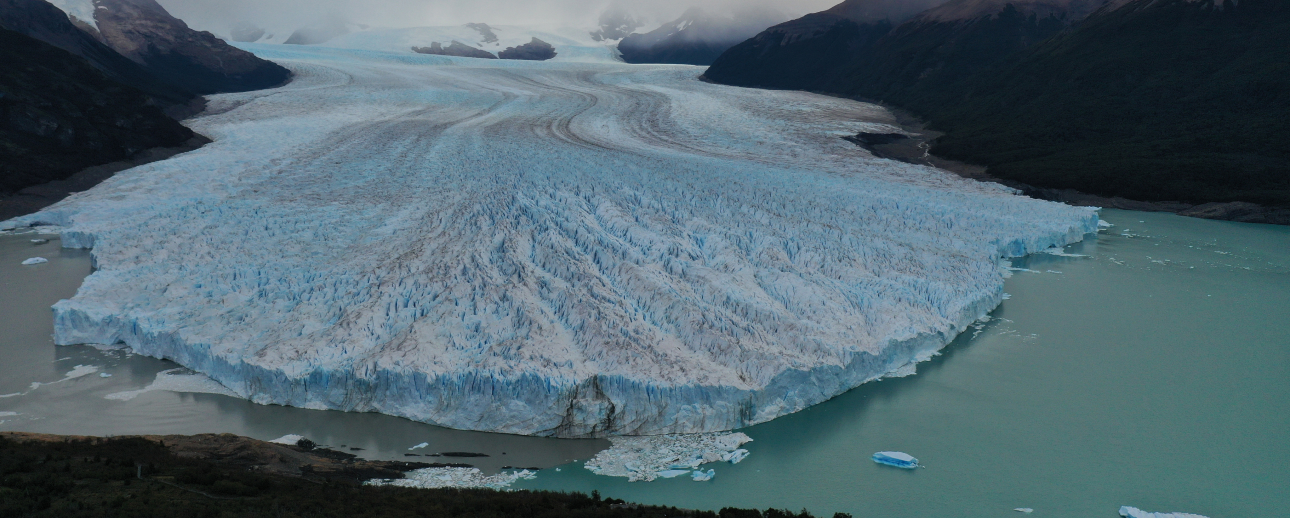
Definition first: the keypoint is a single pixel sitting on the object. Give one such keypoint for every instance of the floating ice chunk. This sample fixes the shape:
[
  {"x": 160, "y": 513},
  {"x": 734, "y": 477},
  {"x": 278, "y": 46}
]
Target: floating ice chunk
[
  {"x": 1134, "y": 512},
  {"x": 289, "y": 439},
  {"x": 1026, "y": 510},
  {"x": 1103, "y": 224},
  {"x": 80, "y": 370},
  {"x": 735, "y": 456},
  {"x": 35, "y": 260},
  {"x": 1057, "y": 251},
  {"x": 896, "y": 458},
  {"x": 176, "y": 380},
  {"x": 40, "y": 241},
  {"x": 642, "y": 458},
  {"x": 8, "y": 414},
  {"x": 703, "y": 476},
  {"x": 419, "y": 446},
  {"x": 104, "y": 375},
  {"x": 429, "y": 478},
  {"x": 904, "y": 371},
  {"x": 672, "y": 473}
]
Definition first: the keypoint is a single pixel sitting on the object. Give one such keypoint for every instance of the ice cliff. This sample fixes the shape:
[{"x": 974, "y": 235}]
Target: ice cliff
[{"x": 562, "y": 249}]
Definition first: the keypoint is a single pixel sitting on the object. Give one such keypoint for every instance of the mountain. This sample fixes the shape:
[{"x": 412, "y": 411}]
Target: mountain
[
  {"x": 616, "y": 23},
  {"x": 1157, "y": 100},
  {"x": 696, "y": 38},
  {"x": 1041, "y": 91},
  {"x": 45, "y": 22},
  {"x": 535, "y": 50},
  {"x": 199, "y": 62},
  {"x": 59, "y": 114},
  {"x": 246, "y": 33},
  {"x": 321, "y": 32},
  {"x": 879, "y": 48}
]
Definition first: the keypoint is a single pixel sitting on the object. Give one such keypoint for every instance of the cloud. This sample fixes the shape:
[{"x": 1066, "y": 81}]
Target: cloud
[{"x": 219, "y": 15}]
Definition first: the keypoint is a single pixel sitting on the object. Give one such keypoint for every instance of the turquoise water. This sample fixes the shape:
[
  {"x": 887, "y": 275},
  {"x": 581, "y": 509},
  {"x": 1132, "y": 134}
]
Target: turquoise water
[{"x": 1155, "y": 372}]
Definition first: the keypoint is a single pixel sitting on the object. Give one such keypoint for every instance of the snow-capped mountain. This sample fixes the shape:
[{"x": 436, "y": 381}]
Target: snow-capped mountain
[
  {"x": 697, "y": 37},
  {"x": 616, "y": 23},
  {"x": 65, "y": 30}
]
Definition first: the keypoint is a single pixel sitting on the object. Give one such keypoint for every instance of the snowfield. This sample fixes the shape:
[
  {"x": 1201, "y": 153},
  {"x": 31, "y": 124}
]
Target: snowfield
[{"x": 561, "y": 248}]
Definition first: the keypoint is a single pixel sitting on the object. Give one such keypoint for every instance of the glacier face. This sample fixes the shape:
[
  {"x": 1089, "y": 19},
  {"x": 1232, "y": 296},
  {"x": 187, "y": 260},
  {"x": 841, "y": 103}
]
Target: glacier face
[{"x": 561, "y": 249}]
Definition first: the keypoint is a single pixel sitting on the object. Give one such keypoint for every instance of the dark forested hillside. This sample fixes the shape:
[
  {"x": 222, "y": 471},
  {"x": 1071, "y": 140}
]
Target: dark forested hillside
[
  {"x": 56, "y": 477},
  {"x": 1147, "y": 99},
  {"x": 1160, "y": 100},
  {"x": 58, "y": 115}
]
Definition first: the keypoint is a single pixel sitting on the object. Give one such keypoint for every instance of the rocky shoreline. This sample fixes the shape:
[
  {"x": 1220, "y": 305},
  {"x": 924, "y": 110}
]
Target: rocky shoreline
[{"x": 36, "y": 197}]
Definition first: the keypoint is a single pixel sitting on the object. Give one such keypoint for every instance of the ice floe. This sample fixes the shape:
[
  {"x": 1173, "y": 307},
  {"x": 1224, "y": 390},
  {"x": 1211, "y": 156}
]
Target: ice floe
[
  {"x": 1134, "y": 512},
  {"x": 896, "y": 458},
  {"x": 35, "y": 260},
  {"x": 430, "y": 478},
  {"x": 556, "y": 248},
  {"x": 176, "y": 380},
  {"x": 419, "y": 446},
  {"x": 290, "y": 439},
  {"x": 648, "y": 457}
]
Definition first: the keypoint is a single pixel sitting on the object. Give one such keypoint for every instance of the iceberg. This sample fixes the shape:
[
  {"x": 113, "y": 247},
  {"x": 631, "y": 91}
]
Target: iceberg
[
  {"x": 35, "y": 260},
  {"x": 703, "y": 476},
  {"x": 562, "y": 248},
  {"x": 735, "y": 456},
  {"x": 464, "y": 478},
  {"x": 290, "y": 439},
  {"x": 896, "y": 458},
  {"x": 1134, "y": 512},
  {"x": 650, "y": 457}
]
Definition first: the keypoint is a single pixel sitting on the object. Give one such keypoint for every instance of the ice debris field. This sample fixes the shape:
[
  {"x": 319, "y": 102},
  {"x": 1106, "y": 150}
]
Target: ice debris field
[{"x": 570, "y": 248}]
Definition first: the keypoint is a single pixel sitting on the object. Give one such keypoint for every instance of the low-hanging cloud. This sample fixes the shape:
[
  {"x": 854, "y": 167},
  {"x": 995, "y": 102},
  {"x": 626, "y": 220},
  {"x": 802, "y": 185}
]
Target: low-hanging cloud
[{"x": 219, "y": 15}]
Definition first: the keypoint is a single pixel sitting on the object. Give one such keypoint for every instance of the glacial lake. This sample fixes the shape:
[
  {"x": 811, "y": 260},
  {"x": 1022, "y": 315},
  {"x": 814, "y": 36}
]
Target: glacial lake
[{"x": 1150, "y": 366}]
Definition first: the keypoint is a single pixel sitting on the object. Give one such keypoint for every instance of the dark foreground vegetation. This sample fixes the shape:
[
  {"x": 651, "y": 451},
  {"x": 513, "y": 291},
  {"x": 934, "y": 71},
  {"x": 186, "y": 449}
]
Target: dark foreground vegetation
[
  {"x": 48, "y": 476},
  {"x": 1158, "y": 100}
]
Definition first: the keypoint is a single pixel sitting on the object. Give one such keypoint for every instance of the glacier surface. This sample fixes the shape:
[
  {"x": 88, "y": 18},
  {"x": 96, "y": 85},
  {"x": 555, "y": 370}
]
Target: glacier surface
[{"x": 562, "y": 248}]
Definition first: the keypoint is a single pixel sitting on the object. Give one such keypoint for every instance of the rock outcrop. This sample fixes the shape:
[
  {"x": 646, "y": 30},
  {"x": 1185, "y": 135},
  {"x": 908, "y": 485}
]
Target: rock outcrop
[
  {"x": 536, "y": 50},
  {"x": 457, "y": 48},
  {"x": 197, "y": 61},
  {"x": 59, "y": 115}
]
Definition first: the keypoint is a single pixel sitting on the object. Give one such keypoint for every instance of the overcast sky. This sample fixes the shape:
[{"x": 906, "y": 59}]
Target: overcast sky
[{"x": 218, "y": 15}]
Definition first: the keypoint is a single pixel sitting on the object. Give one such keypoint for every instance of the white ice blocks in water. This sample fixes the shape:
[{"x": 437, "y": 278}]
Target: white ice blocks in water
[
  {"x": 1134, "y": 512},
  {"x": 35, "y": 260},
  {"x": 556, "y": 249},
  {"x": 896, "y": 458},
  {"x": 429, "y": 478},
  {"x": 290, "y": 439},
  {"x": 665, "y": 456}
]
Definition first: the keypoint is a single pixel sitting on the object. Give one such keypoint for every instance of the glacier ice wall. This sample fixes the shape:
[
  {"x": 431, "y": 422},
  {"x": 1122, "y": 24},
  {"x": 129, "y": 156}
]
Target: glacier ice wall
[{"x": 556, "y": 249}]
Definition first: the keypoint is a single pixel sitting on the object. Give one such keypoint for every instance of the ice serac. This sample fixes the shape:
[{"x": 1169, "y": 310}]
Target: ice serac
[{"x": 548, "y": 248}]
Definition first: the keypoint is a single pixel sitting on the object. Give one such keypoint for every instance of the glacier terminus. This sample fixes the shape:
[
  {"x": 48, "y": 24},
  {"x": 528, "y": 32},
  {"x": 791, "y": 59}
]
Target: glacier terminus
[{"x": 572, "y": 248}]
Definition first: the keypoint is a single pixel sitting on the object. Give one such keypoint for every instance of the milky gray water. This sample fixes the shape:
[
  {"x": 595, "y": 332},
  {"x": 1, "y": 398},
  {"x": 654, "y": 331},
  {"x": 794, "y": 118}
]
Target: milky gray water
[{"x": 1155, "y": 372}]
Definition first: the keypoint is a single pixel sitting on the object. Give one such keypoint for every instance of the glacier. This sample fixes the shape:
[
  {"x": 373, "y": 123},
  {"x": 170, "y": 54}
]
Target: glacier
[{"x": 573, "y": 248}]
